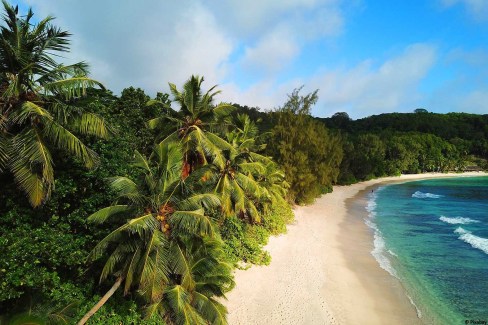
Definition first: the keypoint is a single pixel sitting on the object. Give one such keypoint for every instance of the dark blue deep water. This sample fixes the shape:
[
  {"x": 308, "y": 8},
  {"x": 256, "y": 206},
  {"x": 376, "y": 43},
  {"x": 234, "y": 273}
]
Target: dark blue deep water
[{"x": 433, "y": 236}]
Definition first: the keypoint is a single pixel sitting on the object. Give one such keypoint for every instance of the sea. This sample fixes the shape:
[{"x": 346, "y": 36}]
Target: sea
[{"x": 433, "y": 236}]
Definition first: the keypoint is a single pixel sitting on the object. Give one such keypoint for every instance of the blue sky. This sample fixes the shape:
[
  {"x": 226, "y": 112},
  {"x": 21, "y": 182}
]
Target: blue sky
[{"x": 365, "y": 56}]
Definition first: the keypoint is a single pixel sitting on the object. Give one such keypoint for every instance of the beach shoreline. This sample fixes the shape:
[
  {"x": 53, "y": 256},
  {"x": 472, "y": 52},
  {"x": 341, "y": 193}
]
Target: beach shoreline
[{"x": 322, "y": 271}]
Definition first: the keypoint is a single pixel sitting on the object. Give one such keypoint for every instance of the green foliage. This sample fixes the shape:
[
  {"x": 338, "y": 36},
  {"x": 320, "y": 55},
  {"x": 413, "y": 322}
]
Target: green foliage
[
  {"x": 165, "y": 249},
  {"x": 118, "y": 310},
  {"x": 276, "y": 220},
  {"x": 46, "y": 248},
  {"x": 245, "y": 242},
  {"x": 308, "y": 153}
]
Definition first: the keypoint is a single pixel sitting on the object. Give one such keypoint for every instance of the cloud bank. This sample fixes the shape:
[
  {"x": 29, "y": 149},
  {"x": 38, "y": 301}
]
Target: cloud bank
[{"x": 253, "y": 50}]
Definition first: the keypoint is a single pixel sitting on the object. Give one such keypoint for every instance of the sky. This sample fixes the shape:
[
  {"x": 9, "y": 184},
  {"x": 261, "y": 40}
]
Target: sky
[{"x": 366, "y": 57}]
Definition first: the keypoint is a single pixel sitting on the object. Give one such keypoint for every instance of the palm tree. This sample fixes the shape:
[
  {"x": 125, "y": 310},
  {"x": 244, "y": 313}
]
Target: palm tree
[
  {"x": 193, "y": 123},
  {"x": 232, "y": 178},
  {"x": 38, "y": 103},
  {"x": 272, "y": 181},
  {"x": 196, "y": 277},
  {"x": 149, "y": 252},
  {"x": 244, "y": 135}
]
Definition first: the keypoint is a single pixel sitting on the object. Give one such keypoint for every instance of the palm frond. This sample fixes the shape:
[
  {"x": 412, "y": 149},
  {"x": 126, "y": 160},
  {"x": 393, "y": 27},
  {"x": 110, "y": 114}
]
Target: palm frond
[
  {"x": 181, "y": 265},
  {"x": 249, "y": 185},
  {"x": 223, "y": 110},
  {"x": 191, "y": 222},
  {"x": 35, "y": 188},
  {"x": 159, "y": 121},
  {"x": 179, "y": 301},
  {"x": 211, "y": 309},
  {"x": 154, "y": 266},
  {"x": 91, "y": 124},
  {"x": 102, "y": 215},
  {"x": 206, "y": 200},
  {"x": 169, "y": 158},
  {"x": 252, "y": 167},
  {"x": 29, "y": 110},
  {"x": 142, "y": 224},
  {"x": 31, "y": 164},
  {"x": 72, "y": 87},
  {"x": 64, "y": 139},
  {"x": 4, "y": 152},
  {"x": 118, "y": 256},
  {"x": 131, "y": 269}
]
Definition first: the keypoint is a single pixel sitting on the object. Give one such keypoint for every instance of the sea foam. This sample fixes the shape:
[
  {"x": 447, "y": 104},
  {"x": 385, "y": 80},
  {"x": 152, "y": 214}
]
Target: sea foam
[
  {"x": 475, "y": 241},
  {"x": 379, "y": 250},
  {"x": 422, "y": 195},
  {"x": 458, "y": 220}
]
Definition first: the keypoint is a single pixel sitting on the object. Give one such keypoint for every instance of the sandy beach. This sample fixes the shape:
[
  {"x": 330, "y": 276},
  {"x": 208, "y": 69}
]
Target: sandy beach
[{"x": 322, "y": 270}]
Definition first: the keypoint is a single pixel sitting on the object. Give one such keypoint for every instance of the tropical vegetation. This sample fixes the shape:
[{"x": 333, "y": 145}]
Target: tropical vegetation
[{"x": 127, "y": 209}]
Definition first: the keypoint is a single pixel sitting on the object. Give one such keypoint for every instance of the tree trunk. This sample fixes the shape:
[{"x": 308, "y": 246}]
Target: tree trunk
[{"x": 102, "y": 301}]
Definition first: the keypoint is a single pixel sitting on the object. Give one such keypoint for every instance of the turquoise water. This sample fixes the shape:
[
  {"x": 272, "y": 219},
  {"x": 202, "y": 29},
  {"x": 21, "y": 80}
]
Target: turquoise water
[{"x": 433, "y": 236}]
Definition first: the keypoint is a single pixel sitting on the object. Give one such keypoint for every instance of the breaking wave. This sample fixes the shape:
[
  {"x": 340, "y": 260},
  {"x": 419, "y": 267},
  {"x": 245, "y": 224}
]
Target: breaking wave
[
  {"x": 458, "y": 220},
  {"x": 422, "y": 195},
  {"x": 475, "y": 241}
]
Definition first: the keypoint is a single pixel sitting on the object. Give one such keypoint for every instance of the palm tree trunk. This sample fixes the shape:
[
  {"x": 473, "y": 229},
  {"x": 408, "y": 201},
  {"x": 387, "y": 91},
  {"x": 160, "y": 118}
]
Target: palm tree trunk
[{"x": 102, "y": 301}]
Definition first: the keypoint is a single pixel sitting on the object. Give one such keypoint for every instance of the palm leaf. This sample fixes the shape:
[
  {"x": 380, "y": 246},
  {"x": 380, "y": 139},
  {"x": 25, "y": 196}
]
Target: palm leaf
[
  {"x": 31, "y": 184},
  {"x": 181, "y": 266},
  {"x": 102, "y": 215},
  {"x": 72, "y": 87},
  {"x": 4, "y": 152},
  {"x": 120, "y": 254},
  {"x": 252, "y": 167},
  {"x": 154, "y": 266},
  {"x": 28, "y": 110},
  {"x": 31, "y": 152},
  {"x": 223, "y": 110},
  {"x": 64, "y": 139},
  {"x": 131, "y": 269},
  {"x": 206, "y": 200},
  {"x": 212, "y": 310},
  {"x": 192, "y": 222},
  {"x": 92, "y": 124},
  {"x": 249, "y": 185},
  {"x": 179, "y": 301}
]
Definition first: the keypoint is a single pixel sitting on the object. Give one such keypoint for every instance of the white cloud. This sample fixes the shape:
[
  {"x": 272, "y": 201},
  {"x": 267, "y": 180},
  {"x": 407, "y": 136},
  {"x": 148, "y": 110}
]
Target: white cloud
[
  {"x": 148, "y": 45},
  {"x": 478, "y": 9},
  {"x": 265, "y": 94},
  {"x": 143, "y": 45},
  {"x": 284, "y": 28},
  {"x": 255, "y": 17},
  {"x": 272, "y": 53},
  {"x": 366, "y": 89}
]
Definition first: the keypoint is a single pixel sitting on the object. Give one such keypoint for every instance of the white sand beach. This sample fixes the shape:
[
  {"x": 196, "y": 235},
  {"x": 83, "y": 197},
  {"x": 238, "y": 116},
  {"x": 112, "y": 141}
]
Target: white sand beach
[{"x": 322, "y": 270}]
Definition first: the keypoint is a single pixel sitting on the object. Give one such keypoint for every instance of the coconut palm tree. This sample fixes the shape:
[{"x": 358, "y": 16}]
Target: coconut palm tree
[
  {"x": 233, "y": 180},
  {"x": 194, "y": 122},
  {"x": 189, "y": 297},
  {"x": 150, "y": 251},
  {"x": 39, "y": 103},
  {"x": 244, "y": 135},
  {"x": 272, "y": 181}
]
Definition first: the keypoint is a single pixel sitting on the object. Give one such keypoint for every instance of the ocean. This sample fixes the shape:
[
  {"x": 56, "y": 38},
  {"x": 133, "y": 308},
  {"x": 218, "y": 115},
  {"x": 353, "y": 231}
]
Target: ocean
[{"x": 433, "y": 236}]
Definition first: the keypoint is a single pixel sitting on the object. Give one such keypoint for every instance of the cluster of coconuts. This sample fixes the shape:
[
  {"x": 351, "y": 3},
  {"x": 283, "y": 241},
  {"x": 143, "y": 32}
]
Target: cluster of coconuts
[{"x": 164, "y": 224}]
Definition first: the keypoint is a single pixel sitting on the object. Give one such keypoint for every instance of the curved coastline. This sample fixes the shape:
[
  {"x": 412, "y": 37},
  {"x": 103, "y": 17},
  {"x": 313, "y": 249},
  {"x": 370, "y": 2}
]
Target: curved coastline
[{"x": 322, "y": 271}]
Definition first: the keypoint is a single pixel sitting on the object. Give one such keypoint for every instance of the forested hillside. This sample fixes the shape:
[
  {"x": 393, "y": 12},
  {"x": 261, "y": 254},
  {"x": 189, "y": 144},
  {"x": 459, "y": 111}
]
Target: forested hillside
[{"x": 390, "y": 144}]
